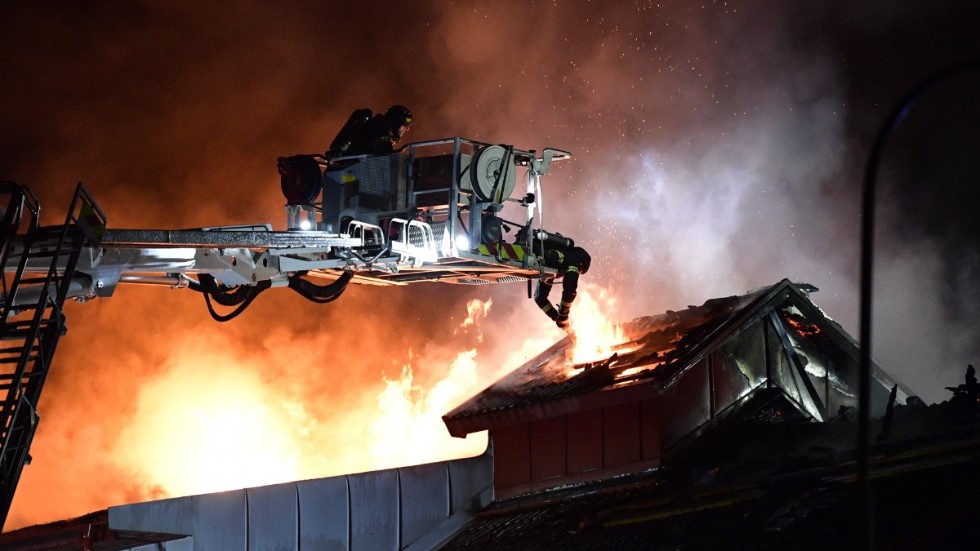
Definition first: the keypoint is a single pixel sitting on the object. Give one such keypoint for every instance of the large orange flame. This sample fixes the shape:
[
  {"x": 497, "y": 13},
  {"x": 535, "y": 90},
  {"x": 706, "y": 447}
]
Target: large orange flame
[
  {"x": 216, "y": 417},
  {"x": 204, "y": 429},
  {"x": 595, "y": 334},
  {"x": 226, "y": 431},
  {"x": 408, "y": 429}
]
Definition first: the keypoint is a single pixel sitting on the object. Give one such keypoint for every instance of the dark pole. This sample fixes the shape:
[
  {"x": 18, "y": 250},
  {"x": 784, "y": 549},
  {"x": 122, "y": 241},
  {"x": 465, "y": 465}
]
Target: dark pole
[{"x": 895, "y": 118}]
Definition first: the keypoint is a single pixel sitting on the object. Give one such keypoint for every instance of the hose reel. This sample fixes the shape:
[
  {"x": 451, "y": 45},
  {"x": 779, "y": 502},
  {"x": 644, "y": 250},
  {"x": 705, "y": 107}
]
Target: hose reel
[{"x": 493, "y": 174}]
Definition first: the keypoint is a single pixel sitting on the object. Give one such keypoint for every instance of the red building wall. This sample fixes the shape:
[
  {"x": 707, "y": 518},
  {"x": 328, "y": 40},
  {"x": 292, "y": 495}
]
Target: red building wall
[{"x": 584, "y": 445}]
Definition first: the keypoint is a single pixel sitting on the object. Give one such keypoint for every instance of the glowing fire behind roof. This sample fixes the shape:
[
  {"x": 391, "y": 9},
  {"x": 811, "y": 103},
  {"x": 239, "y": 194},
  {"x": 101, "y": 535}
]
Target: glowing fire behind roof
[{"x": 211, "y": 421}]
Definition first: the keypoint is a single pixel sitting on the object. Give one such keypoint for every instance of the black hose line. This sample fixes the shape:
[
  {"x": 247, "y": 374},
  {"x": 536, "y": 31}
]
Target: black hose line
[
  {"x": 320, "y": 294},
  {"x": 222, "y": 294},
  {"x": 501, "y": 175},
  {"x": 249, "y": 293},
  {"x": 242, "y": 296}
]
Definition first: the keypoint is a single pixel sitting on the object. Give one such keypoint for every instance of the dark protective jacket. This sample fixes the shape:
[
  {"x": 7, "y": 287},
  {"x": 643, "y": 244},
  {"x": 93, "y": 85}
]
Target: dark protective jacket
[
  {"x": 570, "y": 263},
  {"x": 375, "y": 137},
  {"x": 364, "y": 135}
]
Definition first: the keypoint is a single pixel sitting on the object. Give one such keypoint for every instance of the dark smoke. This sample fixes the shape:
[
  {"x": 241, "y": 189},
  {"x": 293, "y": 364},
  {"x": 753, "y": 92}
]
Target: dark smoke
[{"x": 719, "y": 146}]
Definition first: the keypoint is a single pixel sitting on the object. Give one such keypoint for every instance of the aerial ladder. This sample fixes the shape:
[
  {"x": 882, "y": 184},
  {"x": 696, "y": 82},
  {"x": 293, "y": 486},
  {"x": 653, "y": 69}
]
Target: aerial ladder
[
  {"x": 39, "y": 264},
  {"x": 434, "y": 211}
]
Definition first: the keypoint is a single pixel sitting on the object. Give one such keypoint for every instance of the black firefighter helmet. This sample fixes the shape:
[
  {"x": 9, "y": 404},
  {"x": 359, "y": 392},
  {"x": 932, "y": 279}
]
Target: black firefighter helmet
[{"x": 399, "y": 115}]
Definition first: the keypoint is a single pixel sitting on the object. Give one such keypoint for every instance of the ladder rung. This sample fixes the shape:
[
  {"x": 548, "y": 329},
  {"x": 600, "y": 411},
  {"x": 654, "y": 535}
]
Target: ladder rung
[
  {"x": 39, "y": 280},
  {"x": 34, "y": 345},
  {"x": 23, "y": 324},
  {"x": 55, "y": 230},
  {"x": 19, "y": 349},
  {"x": 7, "y": 381},
  {"x": 14, "y": 354},
  {"x": 49, "y": 254},
  {"x": 9, "y": 384},
  {"x": 20, "y": 324},
  {"x": 14, "y": 332},
  {"x": 22, "y": 332},
  {"x": 30, "y": 359}
]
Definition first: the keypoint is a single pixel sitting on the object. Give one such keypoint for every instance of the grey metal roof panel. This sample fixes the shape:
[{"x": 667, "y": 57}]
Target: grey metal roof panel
[
  {"x": 424, "y": 496},
  {"x": 272, "y": 517},
  {"x": 374, "y": 508},
  {"x": 324, "y": 514},
  {"x": 222, "y": 521},
  {"x": 415, "y": 507}
]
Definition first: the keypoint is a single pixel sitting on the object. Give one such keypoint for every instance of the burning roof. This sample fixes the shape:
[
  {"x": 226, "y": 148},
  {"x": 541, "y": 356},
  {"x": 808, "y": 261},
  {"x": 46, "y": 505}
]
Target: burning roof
[
  {"x": 739, "y": 351},
  {"x": 773, "y": 336}
]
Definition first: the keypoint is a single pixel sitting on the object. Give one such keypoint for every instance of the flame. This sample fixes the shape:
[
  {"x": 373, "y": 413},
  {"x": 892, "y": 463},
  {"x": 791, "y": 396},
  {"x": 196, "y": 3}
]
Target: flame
[
  {"x": 229, "y": 432},
  {"x": 476, "y": 310},
  {"x": 803, "y": 327},
  {"x": 594, "y": 333},
  {"x": 210, "y": 422},
  {"x": 408, "y": 429},
  {"x": 217, "y": 416}
]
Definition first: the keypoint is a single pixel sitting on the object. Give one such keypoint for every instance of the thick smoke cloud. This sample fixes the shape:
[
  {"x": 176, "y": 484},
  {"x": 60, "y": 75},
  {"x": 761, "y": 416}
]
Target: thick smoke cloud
[{"x": 718, "y": 147}]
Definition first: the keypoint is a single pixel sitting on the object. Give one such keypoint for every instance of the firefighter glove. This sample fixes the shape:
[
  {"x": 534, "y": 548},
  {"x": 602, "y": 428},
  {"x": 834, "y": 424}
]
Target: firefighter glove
[{"x": 562, "y": 321}]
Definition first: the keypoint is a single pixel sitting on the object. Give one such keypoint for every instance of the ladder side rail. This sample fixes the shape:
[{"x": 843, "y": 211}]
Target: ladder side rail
[
  {"x": 11, "y": 424},
  {"x": 89, "y": 217},
  {"x": 24, "y": 199},
  {"x": 49, "y": 313},
  {"x": 43, "y": 314},
  {"x": 31, "y": 349},
  {"x": 55, "y": 319},
  {"x": 52, "y": 303},
  {"x": 83, "y": 219},
  {"x": 13, "y": 458},
  {"x": 8, "y": 468},
  {"x": 10, "y": 223},
  {"x": 33, "y": 379}
]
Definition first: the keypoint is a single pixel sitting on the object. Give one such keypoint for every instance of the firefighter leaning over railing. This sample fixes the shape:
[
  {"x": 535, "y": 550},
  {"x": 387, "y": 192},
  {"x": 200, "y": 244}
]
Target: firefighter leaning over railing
[
  {"x": 570, "y": 262},
  {"x": 364, "y": 134}
]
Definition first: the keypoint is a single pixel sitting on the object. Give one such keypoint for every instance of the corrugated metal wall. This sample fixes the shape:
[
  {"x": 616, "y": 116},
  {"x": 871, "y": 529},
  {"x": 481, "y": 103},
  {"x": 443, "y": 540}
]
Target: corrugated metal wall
[{"x": 408, "y": 508}]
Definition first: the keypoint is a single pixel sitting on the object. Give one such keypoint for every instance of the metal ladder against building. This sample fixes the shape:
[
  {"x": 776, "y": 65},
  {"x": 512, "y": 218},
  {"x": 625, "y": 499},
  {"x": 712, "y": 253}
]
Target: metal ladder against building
[{"x": 31, "y": 327}]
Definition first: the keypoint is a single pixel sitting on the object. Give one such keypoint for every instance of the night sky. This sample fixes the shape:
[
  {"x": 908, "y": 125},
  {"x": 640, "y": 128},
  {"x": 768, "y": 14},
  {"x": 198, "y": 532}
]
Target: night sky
[{"x": 718, "y": 147}]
